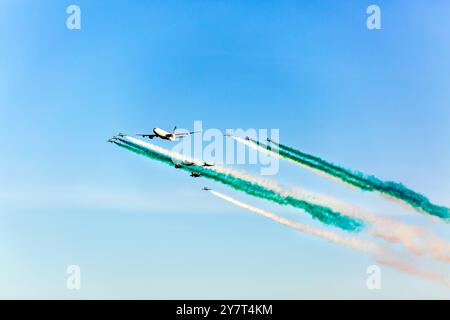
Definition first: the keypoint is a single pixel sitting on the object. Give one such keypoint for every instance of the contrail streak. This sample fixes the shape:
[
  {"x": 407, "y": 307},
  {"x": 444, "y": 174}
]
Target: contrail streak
[
  {"x": 380, "y": 253},
  {"x": 416, "y": 240},
  {"x": 359, "y": 180},
  {"x": 280, "y": 154},
  {"x": 243, "y": 182},
  {"x": 349, "y": 241}
]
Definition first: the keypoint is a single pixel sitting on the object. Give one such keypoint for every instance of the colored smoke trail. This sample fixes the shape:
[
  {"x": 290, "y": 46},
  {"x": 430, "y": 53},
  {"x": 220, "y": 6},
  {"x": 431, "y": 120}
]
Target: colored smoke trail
[
  {"x": 360, "y": 180},
  {"x": 349, "y": 241},
  {"x": 282, "y": 155},
  {"x": 416, "y": 240},
  {"x": 419, "y": 241},
  {"x": 314, "y": 166},
  {"x": 381, "y": 254},
  {"x": 243, "y": 183}
]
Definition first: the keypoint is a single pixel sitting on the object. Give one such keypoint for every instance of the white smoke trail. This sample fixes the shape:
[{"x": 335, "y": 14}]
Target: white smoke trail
[
  {"x": 349, "y": 241},
  {"x": 408, "y": 207},
  {"x": 276, "y": 154},
  {"x": 416, "y": 240},
  {"x": 381, "y": 254},
  {"x": 266, "y": 183}
]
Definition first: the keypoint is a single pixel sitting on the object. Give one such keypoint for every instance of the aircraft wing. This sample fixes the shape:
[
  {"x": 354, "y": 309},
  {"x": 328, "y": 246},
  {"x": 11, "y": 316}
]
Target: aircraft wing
[
  {"x": 184, "y": 134},
  {"x": 150, "y": 136}
]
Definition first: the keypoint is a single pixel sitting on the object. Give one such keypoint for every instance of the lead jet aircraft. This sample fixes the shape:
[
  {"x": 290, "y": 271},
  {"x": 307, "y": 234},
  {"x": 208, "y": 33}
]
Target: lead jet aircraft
[{"x": 163, "y": 134}]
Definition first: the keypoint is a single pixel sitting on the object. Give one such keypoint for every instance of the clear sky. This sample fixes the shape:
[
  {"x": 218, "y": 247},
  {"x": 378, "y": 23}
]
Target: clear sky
[{"x": 373, "y": 100}]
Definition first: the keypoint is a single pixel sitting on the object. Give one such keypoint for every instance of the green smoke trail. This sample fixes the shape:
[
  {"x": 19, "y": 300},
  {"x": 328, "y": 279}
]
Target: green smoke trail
[
  {"x": 361, "y": 180},
  {"x": 321, "y": 213},
  {"x": 315, "y": 165}
]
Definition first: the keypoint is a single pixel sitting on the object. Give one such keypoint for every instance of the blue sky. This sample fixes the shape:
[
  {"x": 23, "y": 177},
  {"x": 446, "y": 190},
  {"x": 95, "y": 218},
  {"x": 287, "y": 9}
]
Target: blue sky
[{"x": 376, "y": 101}]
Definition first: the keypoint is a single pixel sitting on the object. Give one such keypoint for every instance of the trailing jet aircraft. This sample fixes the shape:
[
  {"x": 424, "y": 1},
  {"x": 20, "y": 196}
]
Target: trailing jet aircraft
[
  {"x": 184, "y": 163},
  {"x": 206, "y": 164},
  {"x": 195, "y": 174}
]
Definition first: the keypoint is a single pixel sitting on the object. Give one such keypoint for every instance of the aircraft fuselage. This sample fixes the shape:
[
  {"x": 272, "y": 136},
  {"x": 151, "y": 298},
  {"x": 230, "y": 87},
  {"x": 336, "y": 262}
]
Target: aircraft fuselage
[{"x": 163, "y": 134}]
